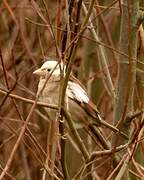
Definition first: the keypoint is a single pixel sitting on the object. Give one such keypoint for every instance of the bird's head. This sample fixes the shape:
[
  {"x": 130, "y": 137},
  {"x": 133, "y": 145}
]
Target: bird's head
[{"x": 50, "y": 67}]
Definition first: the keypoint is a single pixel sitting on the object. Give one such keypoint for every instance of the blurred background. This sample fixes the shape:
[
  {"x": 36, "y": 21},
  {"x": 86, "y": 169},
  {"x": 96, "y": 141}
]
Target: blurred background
[{"x": 30, "y": 33}]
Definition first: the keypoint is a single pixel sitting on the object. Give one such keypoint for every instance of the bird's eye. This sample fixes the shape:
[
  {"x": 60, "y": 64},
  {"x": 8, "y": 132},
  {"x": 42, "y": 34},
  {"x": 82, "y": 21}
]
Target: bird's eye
[{"x": 48, "y": 70}]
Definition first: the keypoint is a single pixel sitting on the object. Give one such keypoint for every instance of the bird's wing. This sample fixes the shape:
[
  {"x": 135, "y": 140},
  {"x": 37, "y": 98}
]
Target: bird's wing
[
  {"x": 79, "y": 95},
  {"x": 76, "y": 92}
]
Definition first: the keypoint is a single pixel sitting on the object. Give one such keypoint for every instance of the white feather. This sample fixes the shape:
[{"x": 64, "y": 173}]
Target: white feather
[
  {"x": 54, "y": 67},
  {"x": 75, "y": 91},
  {"x": 50, "y": 64}
]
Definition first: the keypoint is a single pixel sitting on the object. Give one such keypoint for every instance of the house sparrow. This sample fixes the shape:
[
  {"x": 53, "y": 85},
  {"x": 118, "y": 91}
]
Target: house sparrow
[{"x": 78, "y": 104}]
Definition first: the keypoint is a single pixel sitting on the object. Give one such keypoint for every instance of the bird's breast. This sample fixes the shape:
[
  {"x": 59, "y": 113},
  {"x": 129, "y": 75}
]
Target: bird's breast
[{"x": 50, "y": 93}]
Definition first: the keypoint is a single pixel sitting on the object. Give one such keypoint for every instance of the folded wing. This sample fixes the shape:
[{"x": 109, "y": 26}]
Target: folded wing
[{"x": 79, "y": 95}]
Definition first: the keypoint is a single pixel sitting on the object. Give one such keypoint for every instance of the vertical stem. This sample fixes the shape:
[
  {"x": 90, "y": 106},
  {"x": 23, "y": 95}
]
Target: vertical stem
[
  {"x": 127, "y": 68},
  {"x": 58, "y": 21}
]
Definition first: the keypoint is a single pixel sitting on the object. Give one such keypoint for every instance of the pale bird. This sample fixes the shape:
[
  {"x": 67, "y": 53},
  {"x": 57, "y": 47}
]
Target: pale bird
[{"x": 82, "y": 110}]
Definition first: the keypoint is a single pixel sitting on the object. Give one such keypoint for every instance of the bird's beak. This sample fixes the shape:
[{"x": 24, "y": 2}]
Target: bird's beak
[{"x": 38, "y": 72}]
